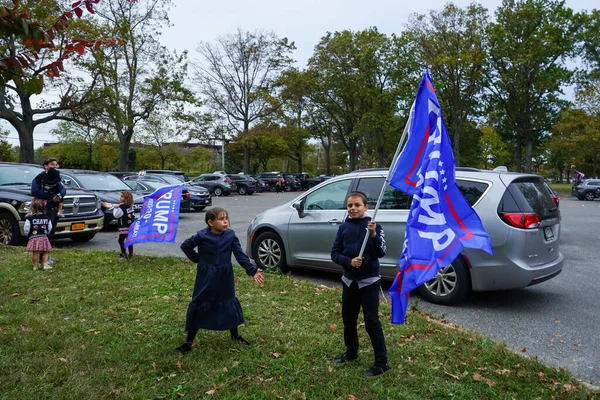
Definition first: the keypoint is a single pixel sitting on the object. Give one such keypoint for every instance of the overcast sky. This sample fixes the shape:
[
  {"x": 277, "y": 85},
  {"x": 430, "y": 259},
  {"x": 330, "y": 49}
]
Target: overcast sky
[{"x": 303, "y": 22}]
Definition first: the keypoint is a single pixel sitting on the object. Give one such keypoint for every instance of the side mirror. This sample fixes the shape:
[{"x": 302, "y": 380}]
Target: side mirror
[
  {"x": 66, "y": 182},
  {"x": 299, "y": 206}
]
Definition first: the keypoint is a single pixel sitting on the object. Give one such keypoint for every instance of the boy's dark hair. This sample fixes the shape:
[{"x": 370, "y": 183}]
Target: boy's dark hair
[
  {"x": 53, "y": 174},
  {"x": 49, "y": 160},
  {"x": 359, "y": 194},
  {"x": 213, "y": 213}
]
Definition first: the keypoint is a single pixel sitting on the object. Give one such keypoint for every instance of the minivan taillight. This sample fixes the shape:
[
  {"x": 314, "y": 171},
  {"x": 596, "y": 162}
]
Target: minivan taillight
[
  {"x": 555, "y": 199},
  {"x": 521, "y": 220},
  {"x": 227, "y": 180}
]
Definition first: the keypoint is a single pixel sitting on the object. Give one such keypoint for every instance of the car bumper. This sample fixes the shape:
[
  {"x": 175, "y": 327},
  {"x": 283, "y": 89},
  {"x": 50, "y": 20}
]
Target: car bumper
[
  {"x": 72, "y": 226},
  {"x": 199, "y": 202},
  {"x": 513, "y": 276}
]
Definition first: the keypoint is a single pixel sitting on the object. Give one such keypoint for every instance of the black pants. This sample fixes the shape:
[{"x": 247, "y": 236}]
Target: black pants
[
  {"x": 367, "y": 297},
  {"x": 122, "y": 244},
  {"x": 52, "y": 212}
]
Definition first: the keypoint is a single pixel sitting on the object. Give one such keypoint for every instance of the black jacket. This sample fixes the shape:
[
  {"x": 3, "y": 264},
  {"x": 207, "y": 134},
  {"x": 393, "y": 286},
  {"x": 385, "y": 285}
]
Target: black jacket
[{"x": 347, "y": 244}]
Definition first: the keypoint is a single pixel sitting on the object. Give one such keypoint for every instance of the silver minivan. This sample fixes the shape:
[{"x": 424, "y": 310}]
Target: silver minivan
[{"x": 517, "y": 211}]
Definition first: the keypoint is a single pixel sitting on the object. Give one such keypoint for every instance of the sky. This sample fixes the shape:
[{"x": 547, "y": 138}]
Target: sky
[{"x": 304, "y": 22}]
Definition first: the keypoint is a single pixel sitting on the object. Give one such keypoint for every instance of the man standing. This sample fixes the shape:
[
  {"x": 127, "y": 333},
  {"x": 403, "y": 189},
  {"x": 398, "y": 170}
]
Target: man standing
[{"x": 52, "y": 200}]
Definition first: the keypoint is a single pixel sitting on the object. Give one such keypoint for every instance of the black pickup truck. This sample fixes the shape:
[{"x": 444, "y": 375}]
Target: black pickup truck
[{"x": 83, "y": 216}]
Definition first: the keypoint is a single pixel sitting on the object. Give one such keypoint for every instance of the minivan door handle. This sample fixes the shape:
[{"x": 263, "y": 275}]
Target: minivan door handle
[{"x": 334, "y": 221}]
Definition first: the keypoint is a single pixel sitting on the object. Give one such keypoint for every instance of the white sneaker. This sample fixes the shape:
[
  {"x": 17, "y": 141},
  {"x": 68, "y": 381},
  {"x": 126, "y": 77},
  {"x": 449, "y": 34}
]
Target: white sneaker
[
  {"x": 47, "y": 266},
  {"x": 37, "y": 267}
]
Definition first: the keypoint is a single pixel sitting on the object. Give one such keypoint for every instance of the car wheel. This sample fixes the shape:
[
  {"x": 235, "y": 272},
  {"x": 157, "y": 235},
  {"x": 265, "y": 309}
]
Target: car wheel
[
  {"x": 272, "y": 188},
  {"x": 83, "y": 238},
  {"x": 451, "y": 284},
  {"x": 9, "y": 230},
  {"x": 199, "y": 208},
  {"x": 288, "y": 188},
  {"x": 218, "y": 191},
  {"x": 242, "y": 190},
  {"x": 589, "y": 196},
  {"x": 310, "y": 185},
  {"x": 269, "y": 252}
]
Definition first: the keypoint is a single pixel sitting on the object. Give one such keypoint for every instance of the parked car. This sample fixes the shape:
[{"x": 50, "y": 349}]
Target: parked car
[
  {"x": 245, "y": 183},
  {"x": 217, "y": 184},
  {"x": 518, "y": 213},
  {"x": 105, "y": 186},
  {"x": 199, "y": 196},
  {"x": 83, "y": 216},
  {"x": 148, "y": 187},
  {"x": 587, "y": 189},
  {"x": 179, "y": 174},
  {"x": 270, "y": 179}
]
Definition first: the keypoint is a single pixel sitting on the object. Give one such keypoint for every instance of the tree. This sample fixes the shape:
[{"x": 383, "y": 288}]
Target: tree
[
  {"x": 156, "y": 135},
  {"x": 138, "y": 78},
  {"x": 36, "y": 41},
  {"x": 80, "y": 142},
  {"x": 527, "y": 48},
  {"x": 7, "y": 152},
  {"x": 452, "y": 43},
  {"x": 237, "y": 78}
]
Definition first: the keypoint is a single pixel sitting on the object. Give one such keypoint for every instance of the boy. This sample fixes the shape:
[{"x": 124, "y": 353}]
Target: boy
[{"x": 361, "y": 280}]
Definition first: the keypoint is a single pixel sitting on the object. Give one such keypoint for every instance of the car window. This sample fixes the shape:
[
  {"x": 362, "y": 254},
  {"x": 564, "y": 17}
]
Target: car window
[
  {"x": 18, "y": 174},
  {"x": 471, "y": 190},
  {"x": 101, "y": 182},
  {"x": 392, "y": 199},
  {"x": 528, "y": 196},
  {"x": 329, "y": 197}
]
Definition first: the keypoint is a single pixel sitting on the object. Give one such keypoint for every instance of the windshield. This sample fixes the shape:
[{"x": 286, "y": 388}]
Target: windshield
[
  {"x": 18, "y": 174},
  {"x": 101, "y": 182},
  {"x": 173, "y": 179}
]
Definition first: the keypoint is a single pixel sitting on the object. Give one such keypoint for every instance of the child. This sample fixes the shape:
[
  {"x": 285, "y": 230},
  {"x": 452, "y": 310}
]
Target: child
[
  {"x": 361, "y": 280},
  {"x": 126, "y": 216},
  {"x": 49, "y": 182},
  {"x": 214, "y": 305},
  {"x": 37, "y": 227},
  {"x": 280, "y": 185}
]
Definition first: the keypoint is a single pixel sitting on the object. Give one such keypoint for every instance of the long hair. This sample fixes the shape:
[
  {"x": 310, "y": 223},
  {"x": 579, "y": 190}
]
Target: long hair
[
  {"x": 128, "y": 197},
  {"x": 213, "y": 213},
  {"x": 37, "y": 206}
]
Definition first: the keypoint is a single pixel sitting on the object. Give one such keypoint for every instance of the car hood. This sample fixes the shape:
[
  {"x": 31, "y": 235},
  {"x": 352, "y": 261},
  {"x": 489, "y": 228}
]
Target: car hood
[
  {"x": 115, "y": 197},
  {"x": 24, "y": 189}
]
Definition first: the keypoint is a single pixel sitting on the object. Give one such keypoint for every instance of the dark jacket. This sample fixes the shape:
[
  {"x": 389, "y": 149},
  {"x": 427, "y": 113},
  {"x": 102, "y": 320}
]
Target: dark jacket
[
  {"x": 347, "y": 244},
  {"x": 125, "y": 220},
  {"x": 41, "y": 188},
  {"x": 39, "y": 225}
]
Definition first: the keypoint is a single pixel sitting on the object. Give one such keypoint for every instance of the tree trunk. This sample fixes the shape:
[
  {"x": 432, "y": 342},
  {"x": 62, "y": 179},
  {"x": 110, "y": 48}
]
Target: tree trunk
[
  {"x": 26, "y": 152},
  {"x": 456, "y": 140},
  {"x": 353, "y": 150},
  {"x": 124, "y": 142}
]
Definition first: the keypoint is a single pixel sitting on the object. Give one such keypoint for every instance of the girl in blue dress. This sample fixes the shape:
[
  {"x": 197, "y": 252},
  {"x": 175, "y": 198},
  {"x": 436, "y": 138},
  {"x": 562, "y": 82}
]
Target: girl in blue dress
[{"x": 214, "y": 305}]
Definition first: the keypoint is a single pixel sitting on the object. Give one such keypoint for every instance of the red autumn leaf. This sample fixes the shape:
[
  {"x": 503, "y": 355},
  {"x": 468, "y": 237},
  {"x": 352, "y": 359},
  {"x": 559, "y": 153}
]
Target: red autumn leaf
[
  {"x": 60, "y": 66},
  {"x": 97, "y": 45},
  {"x": 88, "y": 5},
  {"x": 76, "y": 4},
  {"x": 78, "y": 12},
  {"x": 80, "y": 49},
  {"x": 69, "y": 14}
]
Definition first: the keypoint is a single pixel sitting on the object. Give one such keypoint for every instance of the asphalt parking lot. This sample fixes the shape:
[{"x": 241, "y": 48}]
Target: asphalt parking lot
[{"x": 556, "y": 322}]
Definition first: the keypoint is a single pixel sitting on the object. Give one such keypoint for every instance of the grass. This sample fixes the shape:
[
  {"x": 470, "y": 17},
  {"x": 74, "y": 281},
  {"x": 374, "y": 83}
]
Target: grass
[
  {"x": 98, "y": 328},
  {"x": 562, "y": 188}
]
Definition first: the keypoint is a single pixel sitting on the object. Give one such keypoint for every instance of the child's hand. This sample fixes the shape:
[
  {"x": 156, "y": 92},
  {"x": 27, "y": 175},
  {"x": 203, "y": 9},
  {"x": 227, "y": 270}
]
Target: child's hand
[
  {"x": 356, "y": 262},
  {"x": 258, "y": 276},
  {"x": 371, "y": 226}
]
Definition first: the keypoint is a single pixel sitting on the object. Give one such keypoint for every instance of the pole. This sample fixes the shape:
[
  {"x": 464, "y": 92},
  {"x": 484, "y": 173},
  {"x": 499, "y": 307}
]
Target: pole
[
  {"x": 223, "y": 154},
  {"x": 392, "y": 167}
]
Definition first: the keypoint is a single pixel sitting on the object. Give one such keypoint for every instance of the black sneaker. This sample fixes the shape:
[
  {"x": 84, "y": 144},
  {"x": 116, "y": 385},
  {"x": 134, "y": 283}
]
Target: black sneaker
[
  {"x": 241, "y": 340},
  {"x": 345, "y": 357},
  {"x": 184, "y": 348},
  {"x": 377, "y": 370},
  {"x": 123, "y": 257}
]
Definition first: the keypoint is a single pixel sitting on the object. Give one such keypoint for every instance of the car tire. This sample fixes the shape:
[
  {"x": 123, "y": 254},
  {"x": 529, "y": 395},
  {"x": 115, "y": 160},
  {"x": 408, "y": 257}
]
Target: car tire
[
  {"x": 450, "y": 286},
  {"x": 199, "y": 208},
  {"x": 218, "y": 191},
  {"x": 589, "y": 196},
  {"x": 288, "y": 188},
  {"x": 10, "y": 234},
  {"x": 242, "y": 190},
  {"x": 269, "y": 253},
  {"x": 83, "y": 238}
]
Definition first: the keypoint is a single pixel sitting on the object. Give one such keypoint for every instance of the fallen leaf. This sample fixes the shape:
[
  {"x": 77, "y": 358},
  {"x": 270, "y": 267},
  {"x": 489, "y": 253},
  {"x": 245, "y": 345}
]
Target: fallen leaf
[
  {"x": 490, "y": 382},
  {"x": 283, "y": 292},
  {"x": 179, "y": 364},
  {"x": 26, "y": 328},
  {"x": 477, "y": 377},
  {"x": 276, "y": 354},
  {"x": 330, "y": 369},
  {"x": 225, "y": 370},
  {"x": 524, "y": 349},
  {"x": 166, "y": 298},
  {"x": 211, "y": 392},
  {"x": 63, "y": 360},
  {"x": 352, "y": 397},
  {"x": 15, "y": 294},
  {"x": 261, "y": 340},
  {"x": 333, "y": 327}
]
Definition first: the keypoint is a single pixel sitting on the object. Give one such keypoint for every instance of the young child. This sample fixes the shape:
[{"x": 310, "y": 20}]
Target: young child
[
  {"x": 361, "y": 280},
  {"x": 49, "y": 182},
  {"x": 126, "y": 216},
  {"x": 280, "y": 185},
  {"x": 37, "y": 227},
  {"x": 214, "y": 305}
]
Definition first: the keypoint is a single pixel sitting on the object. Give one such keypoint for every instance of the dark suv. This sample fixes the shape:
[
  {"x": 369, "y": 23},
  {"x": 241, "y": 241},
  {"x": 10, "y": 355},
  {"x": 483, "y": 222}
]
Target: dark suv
[
  {"x": 587, "y": 189},
  {"x": 83, "y": 216},
  {"x": 245, "y": 183},
  {"x": 270, "y": 179}
]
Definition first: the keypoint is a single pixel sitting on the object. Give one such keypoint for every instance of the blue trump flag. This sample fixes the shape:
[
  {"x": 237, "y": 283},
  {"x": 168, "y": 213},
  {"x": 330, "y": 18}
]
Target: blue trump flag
[
  {"x": 159, "y": 217},
  {"x": 440, "y": 222}
]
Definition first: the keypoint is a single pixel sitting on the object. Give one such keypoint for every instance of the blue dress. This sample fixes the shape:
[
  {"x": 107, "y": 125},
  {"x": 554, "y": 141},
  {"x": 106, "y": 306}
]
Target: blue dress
[{"x": 214, "y": 305}]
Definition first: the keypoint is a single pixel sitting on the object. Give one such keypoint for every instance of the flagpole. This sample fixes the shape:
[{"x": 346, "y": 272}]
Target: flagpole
[{"x": 387, "y": 178}]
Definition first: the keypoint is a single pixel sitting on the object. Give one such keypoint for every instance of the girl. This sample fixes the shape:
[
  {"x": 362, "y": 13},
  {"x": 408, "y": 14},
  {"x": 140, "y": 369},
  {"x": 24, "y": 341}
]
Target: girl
[
  {"x": 214, "y": 305},
  {"x": 37, "y": 227},
  {"x": 126, "y": 216},
  {"x": 361, "y": 281}
]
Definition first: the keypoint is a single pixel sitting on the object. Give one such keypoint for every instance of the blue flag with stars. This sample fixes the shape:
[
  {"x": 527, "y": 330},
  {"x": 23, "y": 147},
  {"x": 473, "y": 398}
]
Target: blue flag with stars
[{"x": 441, "y": 221}]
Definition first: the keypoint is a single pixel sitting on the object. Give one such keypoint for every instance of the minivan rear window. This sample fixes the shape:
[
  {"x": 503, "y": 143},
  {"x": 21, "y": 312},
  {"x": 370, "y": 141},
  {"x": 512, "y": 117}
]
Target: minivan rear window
[
  {"x": 471, "y": 190},
  {"x": 528, "y": 195},
  {"x": 393, "y": 199}
]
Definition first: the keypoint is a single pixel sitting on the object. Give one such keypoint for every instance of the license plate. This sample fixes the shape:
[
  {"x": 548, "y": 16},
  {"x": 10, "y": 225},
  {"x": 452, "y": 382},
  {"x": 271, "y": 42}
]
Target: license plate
[
  {"x": 548, "y": 234},
  {"x": 77, "y": 227}
]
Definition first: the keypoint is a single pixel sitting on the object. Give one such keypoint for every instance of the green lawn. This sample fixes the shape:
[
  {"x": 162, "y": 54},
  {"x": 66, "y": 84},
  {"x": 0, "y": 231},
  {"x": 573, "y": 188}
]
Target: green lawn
[
  {"x": 562, "y": 188},
  {"x": 99, "y": 328}
]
